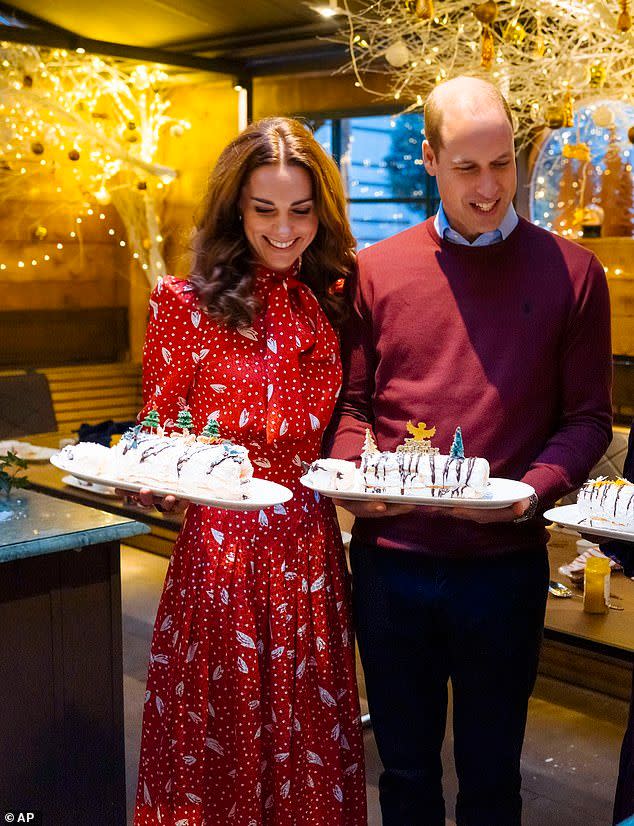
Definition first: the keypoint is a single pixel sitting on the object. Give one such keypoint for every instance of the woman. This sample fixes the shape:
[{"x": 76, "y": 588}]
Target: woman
[{"x": 251, "y": 714}]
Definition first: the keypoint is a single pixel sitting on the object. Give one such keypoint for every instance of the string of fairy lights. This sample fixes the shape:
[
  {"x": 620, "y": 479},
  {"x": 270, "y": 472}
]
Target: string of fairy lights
[{"x": 79, "y": 137}]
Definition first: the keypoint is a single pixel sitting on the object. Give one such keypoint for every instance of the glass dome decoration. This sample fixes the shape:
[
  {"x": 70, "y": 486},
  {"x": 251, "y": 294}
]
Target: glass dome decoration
[{"x": 583, "y": 176}]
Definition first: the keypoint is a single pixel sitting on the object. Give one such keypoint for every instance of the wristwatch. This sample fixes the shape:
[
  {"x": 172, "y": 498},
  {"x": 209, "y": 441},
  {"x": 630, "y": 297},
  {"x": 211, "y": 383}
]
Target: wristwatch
[{"x": 529, "y": 513}]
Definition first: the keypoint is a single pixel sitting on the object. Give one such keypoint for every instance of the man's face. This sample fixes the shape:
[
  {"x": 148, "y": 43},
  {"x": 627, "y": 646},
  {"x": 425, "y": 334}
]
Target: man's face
[{"x": 474, "y": 169}]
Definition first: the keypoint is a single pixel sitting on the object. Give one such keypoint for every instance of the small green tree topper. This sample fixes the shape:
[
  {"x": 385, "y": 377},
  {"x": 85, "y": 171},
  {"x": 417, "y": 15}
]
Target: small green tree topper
[
  {"x": 457, "y": 447},
  {"x": 152, "y": 419},
  {"x": 184, "y": 421},
  {"x": 211, "y": 430}
]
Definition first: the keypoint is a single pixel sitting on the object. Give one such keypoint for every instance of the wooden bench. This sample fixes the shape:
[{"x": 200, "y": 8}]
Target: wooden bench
[{"x": 93, "y": 393}]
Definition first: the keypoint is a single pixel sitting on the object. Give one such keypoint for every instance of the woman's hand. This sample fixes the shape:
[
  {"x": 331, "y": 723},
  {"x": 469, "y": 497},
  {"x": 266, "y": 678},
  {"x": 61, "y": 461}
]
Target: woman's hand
[
  {"x": 146, "y": 499},
  {"x": 372, "y": 510}
]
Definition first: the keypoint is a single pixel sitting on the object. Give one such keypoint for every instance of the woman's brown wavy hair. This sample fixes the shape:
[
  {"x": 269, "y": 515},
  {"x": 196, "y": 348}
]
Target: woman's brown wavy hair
[{"x": 223, "y": 270}]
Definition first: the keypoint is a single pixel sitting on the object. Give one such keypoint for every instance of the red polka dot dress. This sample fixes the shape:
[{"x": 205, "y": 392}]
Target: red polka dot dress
[{"x": 251, "y": 712}]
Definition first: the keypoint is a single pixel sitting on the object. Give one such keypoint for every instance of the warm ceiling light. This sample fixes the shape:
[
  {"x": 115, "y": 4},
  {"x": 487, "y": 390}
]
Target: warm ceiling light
[{"x": 331, "y": 9}]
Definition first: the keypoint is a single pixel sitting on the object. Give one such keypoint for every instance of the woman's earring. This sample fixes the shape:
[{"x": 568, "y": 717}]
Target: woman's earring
[
  {"x": 240, "y": 217},
  {"x": 299, "y": 262}
]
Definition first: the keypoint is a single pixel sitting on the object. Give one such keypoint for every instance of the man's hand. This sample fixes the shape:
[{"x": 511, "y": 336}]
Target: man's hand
[
  {"x": 146, "y": 499},
  {"x": 487, "y": 515},
  {"x": 372, "y": 510}
]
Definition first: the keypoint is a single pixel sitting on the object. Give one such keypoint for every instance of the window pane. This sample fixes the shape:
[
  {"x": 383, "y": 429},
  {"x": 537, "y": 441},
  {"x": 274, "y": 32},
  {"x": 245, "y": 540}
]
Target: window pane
[
  {"x": 382, "y": 156},
  {"x": 322, "y": 129},
  {"x": 372, "y": 222}
]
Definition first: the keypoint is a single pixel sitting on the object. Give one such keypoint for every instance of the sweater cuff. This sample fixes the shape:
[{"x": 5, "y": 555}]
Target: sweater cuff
[{"x": 549, "y": 484}]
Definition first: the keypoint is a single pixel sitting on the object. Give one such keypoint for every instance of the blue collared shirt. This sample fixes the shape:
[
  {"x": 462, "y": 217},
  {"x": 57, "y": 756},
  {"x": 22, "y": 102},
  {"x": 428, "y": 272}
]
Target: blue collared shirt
[{"x": 445, "y": 231}]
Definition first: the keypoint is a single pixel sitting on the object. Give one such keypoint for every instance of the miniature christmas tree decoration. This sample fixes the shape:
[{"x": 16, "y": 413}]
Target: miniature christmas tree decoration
[
  {"x": 369, "y": 445},
  {"x": 457, "y": 447},
  {"x": 152, "y": 420},
  {"x": 211, "y": 431},
  {"x": 184, "y": 421}
]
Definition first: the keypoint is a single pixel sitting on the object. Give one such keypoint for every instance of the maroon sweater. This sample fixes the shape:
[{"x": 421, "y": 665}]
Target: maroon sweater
[{"x": 510, "y": 341}]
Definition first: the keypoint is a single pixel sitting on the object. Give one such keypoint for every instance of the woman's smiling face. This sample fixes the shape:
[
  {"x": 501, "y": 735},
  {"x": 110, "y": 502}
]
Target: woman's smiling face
[{"x": 278, "y": 214}]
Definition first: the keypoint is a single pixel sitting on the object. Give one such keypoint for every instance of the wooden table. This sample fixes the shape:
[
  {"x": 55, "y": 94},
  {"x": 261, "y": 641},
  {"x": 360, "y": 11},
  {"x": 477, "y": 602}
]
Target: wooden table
[{"x": 566, "y": 621}]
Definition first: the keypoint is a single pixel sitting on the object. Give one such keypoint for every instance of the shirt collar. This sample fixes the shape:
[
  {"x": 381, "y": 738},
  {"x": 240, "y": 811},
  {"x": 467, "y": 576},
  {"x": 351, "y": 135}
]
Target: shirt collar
[{"x": 445, "y": 231}]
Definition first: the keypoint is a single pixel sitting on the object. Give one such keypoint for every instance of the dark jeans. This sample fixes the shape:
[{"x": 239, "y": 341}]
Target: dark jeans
[
  {"x": 421, "y": 622},
  {"x": 624, "y": 800}
]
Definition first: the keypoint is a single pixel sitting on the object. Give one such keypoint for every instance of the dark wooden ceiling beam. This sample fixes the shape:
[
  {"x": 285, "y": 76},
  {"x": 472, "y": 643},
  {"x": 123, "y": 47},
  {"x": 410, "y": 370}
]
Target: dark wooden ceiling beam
[{"x": 40, "y": 32}]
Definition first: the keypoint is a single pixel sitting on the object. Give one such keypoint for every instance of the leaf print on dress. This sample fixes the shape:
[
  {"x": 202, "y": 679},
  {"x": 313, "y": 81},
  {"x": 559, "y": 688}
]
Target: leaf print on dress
[
  {"x": 214, "y": 745},
  {"x": 314, "y": 422},
  {"x": 263, "y": 519},
  {"x": 191, "y": 652},
  {"x": 167, "y": 355},
  {"x": 318, "y": 584},
  {"x": 154, "y": 307},
  {"x": 244, "y": 418},
  {"x": 283, "y": 427},
  {"x": 218, "y": 388},
  {"x": 218, "y": 536},
  {"x": 326, "y": 697},
  {"x": 245, "y": 639},
  {"x": 271, "y": 344},
  {"x": 269, "y": 392},
  {"x": 193, "y": 798},
  {"x": 336, "y": 790},
  {"x": 248, "y": 332},
  {"x": 313, "y": 757},
  {"x": 195, "y": 317},
  {"x": 242, "y": 666}
]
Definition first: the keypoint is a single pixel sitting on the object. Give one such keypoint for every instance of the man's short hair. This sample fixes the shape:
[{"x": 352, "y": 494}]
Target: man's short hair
[{"x": 432, "y": 113}]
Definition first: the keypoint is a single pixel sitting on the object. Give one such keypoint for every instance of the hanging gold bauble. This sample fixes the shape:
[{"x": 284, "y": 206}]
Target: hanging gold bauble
[
  {"x": 624, "y": 20},
  {"x": 554, "y": 116},
  {"x": 486, "y": 12},
  {"x": 142, "y": 185},
  {"x": 488, "y": 48},
  {"x": 40, "y": 233},
  {"x": 630, "y": 134},
  {"x": 177, "y": 130},
  {"x": 37, "y": 148},
  {"x": 424, "y": 9},
  {"x": 73, "y": 155},
  {"x": 146, "y": 243},
  {"x": 131, "y": 135},
  {"x": 515, "y": 33},
  {"x": 569, "y": 112},
  {"x": 27, "y": 81},
  {"x": 597, "y": 75}
]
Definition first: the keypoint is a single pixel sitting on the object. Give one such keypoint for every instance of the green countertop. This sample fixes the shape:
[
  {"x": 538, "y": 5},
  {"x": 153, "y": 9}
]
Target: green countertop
[{"x": 32, "y": 524}]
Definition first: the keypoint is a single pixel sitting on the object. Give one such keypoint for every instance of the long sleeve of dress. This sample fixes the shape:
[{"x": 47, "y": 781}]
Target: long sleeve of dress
[{"x": 172, "y": 349}]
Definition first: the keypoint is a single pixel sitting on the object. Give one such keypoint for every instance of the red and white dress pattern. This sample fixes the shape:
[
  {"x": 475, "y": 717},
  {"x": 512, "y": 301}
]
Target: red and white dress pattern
[{"x": 251, "y": 712}]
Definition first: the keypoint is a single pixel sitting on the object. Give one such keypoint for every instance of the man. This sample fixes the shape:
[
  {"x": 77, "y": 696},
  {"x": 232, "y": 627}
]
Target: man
[
  {"x": 474, "y": 318},
  {"x": 624, "y": 552}
]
